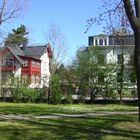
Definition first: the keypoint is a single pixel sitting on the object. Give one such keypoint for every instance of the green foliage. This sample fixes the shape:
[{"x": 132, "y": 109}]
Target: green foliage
[
  {"x": 67, "y": 77},
  {"x": 94, "y": 73},
  {"x": 56, "y": 92},
  {"x": 23, "y": 93},
  {"x": 68, "y": 99},
  {"x": 17, "y": 37}
]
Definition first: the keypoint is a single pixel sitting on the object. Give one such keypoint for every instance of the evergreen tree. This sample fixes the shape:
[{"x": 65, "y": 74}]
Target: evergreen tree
[{"x": 17, "y": 37}]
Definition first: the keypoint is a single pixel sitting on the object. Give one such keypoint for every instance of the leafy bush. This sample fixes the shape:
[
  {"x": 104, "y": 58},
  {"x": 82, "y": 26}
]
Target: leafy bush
[
  {"x": 68, "y": 100},
  {"x": 23, "y": 93},
  {"x": 56, "y": 92}
]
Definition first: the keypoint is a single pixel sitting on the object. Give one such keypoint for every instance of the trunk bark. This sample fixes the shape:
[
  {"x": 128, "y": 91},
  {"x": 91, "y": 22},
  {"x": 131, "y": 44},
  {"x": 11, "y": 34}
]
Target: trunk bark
[
  {"x": 137, "y": 66},
  {"x": 120, "y": 94}
]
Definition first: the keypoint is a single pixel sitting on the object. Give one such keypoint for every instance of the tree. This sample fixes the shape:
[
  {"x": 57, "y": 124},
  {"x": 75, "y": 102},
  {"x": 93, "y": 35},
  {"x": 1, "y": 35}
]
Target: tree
[
  {"x": 95, "y": 74},
  {"x": 63, "y": 84},
  {"x": 58, "y": 45},
  {"x": 17, "y": 37},
  {"x": 130, "y": 13},
  {"x": 9, "y": 9},
  {"x": 133, "y": 14}
]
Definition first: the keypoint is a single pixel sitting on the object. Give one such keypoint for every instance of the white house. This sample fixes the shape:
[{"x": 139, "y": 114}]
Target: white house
[{"x": 114, "y": 48}]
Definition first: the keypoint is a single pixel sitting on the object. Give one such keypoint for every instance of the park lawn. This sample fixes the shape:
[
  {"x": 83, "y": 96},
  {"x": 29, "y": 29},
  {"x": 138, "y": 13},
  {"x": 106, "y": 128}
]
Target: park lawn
[
  {"x": 40, "y": 109},
  {"x": 114, "y": 127}
]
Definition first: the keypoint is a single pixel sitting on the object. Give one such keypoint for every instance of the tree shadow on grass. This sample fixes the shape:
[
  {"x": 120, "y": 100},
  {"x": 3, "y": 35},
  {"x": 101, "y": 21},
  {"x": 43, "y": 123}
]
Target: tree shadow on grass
[{"x": 67, "y": 128}]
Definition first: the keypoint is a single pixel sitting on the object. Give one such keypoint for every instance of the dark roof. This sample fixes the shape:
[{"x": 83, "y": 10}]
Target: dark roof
[
  {"x": 16, "y": 52},
  {"x": 29, "y": 51},
  {"x": 34, "y": 51}
]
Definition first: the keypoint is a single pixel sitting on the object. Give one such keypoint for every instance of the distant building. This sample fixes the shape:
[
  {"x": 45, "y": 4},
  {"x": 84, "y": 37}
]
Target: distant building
[
  {"x": 27, "y": 62},
  {"x": 110, "y": 40},
  {"x": 114, "y": 49}
]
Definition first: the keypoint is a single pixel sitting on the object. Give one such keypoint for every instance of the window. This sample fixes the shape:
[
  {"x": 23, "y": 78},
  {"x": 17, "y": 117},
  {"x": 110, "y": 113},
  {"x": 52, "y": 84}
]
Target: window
[
  {"x": 25, "y": 78},
  {"x": 120, "y": 58},
  {"x": 33, "y": 79},
  {"x": 111, "y": 40},
  {"x": 25, "y": 63},
  {"x": 100, "y": 41},
  {"x": 96, "y": 42},
  {"x": 9, "y": 62},
  {"x": 38, "y": 64},
  {"x": 37, "y": 79},
  {"x": 33, "y": 63},
  {"x": 90, "y": 41}
]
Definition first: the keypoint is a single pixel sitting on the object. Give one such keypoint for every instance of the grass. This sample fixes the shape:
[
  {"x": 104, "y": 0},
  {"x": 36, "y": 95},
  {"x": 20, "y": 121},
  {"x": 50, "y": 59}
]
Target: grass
[
  {"x": 114, "y": 127},
  {"x": 40, "y": 109}
]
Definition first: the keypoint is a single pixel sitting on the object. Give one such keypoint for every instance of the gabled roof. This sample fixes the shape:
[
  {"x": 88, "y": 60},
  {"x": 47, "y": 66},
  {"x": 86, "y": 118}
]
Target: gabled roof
[
  {"x": 30, "y": 51},
  {"x": 16, "y": 51},
  {"x": 35, "y": 51}
]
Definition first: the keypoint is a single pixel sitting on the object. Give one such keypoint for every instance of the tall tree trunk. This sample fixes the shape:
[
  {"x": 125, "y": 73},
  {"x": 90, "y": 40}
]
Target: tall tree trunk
[
  {"x": 137, "y": 65},
  {"x": 120, "y": 94}
]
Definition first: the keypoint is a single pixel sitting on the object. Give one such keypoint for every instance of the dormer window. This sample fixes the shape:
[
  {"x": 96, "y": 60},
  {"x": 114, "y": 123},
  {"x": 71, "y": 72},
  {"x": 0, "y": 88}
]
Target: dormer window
[
  {"x": 9, "y": 62},
  {"x": 100, "y": 40},
  {"x": 25, "y": 63}
]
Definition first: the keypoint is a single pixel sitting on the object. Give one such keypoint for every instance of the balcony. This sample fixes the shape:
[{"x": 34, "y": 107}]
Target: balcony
[
  {"x": 30, "y": 70},
  {"x": 8, "y": 68}
]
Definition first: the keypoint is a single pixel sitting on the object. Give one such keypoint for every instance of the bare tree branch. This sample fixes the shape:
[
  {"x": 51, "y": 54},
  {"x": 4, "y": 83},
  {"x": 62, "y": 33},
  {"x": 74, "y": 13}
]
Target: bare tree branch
[
  {"x": 11, "y": 9},
  {"x": 55, "y": 37},
  {"x": 101, "y": 17}
]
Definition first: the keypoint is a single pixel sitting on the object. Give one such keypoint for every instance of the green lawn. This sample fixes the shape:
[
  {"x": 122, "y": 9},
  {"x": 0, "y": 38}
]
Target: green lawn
[
  {"x": 39, "y": 109},
  {"x": 114, "y": 127}
]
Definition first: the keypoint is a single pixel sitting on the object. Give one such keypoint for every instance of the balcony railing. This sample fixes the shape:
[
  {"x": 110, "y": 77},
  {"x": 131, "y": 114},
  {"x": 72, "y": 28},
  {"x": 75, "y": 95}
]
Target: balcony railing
[{"x": 8, "y": 68}]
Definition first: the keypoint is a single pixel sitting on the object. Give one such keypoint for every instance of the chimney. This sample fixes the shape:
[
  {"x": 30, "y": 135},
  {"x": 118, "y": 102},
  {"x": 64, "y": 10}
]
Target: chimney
[{"x": 24, "y": 45}]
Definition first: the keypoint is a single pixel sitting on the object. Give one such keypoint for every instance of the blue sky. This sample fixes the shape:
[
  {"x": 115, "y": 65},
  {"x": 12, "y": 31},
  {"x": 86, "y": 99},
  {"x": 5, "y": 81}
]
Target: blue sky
[{"x": 69, "y": 15}]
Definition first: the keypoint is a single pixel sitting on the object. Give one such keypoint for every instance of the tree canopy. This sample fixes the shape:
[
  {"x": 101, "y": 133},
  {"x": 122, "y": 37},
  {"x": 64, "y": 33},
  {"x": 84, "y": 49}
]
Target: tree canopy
[{"x": 17, "y": 37}]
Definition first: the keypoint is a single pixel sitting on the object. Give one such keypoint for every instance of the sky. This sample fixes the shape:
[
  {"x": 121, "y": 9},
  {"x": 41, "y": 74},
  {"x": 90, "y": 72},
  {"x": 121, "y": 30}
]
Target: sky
[{"x": 69, "y": 15}]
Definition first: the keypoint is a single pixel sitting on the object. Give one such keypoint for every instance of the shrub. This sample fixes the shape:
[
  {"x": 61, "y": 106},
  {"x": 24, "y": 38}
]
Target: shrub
[
  {"x": 68, "y": 100},
  {"x": 56, "y": 92}
]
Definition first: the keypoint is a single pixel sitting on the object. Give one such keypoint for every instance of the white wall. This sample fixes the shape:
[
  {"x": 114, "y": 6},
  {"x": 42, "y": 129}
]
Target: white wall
[
  {"x": 17, "y": 71},
  {"x": 112, "y": 54},
  {"x": 45, "y": 71}
]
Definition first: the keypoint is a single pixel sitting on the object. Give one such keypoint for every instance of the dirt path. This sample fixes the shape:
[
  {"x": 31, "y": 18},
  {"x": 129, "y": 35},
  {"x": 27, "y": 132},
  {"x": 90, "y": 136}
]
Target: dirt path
[{"x": 58, "y": 115}]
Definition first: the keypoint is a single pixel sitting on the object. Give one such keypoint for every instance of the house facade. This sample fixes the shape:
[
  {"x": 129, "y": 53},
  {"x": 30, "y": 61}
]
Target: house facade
[
  {"x": 115, "y": 48},
  {"x": 31, "y": 64}
]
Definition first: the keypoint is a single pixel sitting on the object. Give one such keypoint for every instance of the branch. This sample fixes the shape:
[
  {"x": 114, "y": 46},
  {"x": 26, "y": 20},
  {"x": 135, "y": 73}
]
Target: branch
[
  {"x": 2, "y": 11},
  {"x": 91, "y": 21},
  {"x": 10, "y": 10},
  {"x": 11, "y": 15}
]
